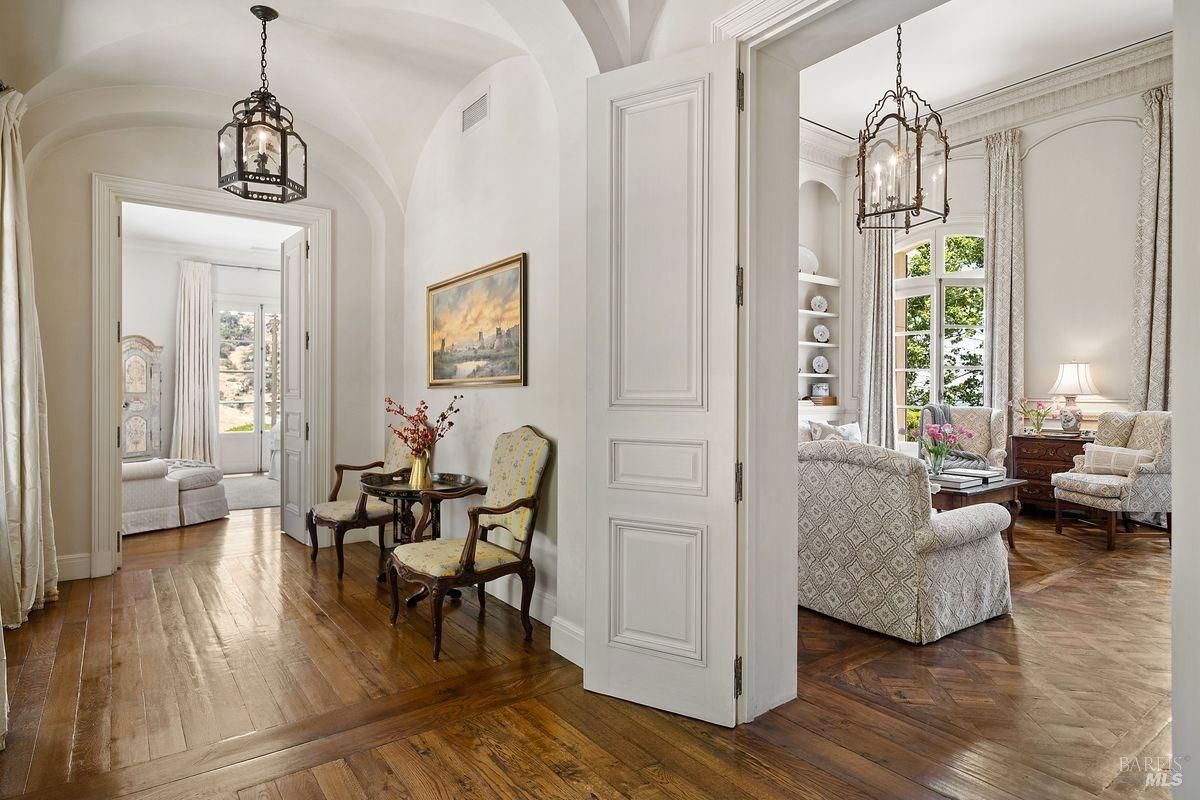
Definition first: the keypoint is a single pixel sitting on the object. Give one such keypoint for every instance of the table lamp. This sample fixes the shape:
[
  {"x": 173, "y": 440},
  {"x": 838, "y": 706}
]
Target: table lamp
[{"x": 1074, "y": 379}]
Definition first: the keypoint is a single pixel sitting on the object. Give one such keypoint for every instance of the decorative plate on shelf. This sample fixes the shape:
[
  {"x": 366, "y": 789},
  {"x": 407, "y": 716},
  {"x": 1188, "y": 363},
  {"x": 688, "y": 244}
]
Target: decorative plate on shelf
[
  {"x": 819, "y": 304},
  {"x": 808, "y": 261},
  {"x": 821, "y": 333},
  {"x": 820, "y": 365}
]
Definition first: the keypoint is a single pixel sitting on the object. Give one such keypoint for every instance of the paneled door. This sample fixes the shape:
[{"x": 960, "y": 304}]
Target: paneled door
[
  {"x": 661, "y": 620},
  {"x": 293, "y": 437}
]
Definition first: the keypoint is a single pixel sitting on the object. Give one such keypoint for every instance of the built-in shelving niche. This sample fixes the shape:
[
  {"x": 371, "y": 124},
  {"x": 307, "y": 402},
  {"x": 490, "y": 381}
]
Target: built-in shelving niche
[{"x": 820, "y": 224}]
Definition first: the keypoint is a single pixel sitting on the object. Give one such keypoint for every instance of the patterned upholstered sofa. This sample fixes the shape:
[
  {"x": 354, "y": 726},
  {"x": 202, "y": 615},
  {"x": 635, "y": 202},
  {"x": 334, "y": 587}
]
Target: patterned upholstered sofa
[{"x": 872, "y": 553}]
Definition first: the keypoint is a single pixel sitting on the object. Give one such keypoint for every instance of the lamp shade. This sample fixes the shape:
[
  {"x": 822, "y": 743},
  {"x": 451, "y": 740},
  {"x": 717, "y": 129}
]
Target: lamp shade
[{"x": 1074, "y": 379}]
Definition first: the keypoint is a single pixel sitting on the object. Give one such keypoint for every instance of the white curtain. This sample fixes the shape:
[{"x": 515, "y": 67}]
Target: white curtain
[
  {"x": 1004, "y": 265},
  {"x": 1150, "y": 372},
  {"x": 194, "y": 434},
  {"x": 877, "y": 377},
  {"x": 28, "y": 560}
]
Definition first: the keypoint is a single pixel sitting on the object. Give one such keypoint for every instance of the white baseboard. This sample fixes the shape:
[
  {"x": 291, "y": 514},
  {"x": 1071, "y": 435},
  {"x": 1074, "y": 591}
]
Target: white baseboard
[
  {"x": 75, "y": 567},
  {"x": 542, "y": 607},
  {"x": 566, "y": 639}
]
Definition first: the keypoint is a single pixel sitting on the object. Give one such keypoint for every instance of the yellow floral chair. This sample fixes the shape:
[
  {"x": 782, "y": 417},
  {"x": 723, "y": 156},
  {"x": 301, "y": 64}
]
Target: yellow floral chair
[{"x": 511, "y": 500}]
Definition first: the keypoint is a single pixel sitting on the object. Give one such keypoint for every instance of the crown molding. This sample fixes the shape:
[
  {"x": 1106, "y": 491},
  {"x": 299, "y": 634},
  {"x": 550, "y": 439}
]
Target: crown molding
[
  {"x": 1129, "y": 71},
  {"x": 822, "y": 147},
  {"x": 195, "y": 252},
  {"x": 756, "y": 21}
]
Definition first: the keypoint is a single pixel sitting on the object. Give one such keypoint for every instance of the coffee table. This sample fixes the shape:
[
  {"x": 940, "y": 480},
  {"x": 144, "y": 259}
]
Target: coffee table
[{"x": 1003, "y": 492}]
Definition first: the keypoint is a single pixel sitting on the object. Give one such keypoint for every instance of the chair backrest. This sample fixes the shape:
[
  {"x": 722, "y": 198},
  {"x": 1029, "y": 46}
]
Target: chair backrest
[
  {"x": 519, "y": 459},
  {"x": 1152, "y": 431},
  {"x": 850, "y": 491},
  {"x": 985, "y": 423},
  {"x": 395, "y": 455}
]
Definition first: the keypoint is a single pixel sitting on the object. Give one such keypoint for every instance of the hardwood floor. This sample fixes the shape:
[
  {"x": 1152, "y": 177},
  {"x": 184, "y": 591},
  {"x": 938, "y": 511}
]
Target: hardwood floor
[{"x": 220, "y": 664}]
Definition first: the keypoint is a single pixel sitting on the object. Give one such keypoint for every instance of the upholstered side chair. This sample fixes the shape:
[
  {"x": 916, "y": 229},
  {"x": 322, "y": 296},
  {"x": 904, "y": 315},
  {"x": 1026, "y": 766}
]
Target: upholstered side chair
[
  {"x": 511, "y": 501},
  {"x": 363, "y": 512},
  {"x": 1146, "y": 489},
  {"x": 987, "y": 425},
  {"x": 873, "y": 554}
]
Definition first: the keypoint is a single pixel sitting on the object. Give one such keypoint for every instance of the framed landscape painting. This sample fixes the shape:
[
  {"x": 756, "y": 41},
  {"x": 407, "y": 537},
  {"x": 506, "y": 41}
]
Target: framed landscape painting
[{"x": 476, "y": 326}]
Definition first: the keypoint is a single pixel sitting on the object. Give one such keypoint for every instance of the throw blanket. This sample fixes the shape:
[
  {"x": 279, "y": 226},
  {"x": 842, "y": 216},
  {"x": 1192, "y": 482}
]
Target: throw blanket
[{"x": 940, "y": 414}]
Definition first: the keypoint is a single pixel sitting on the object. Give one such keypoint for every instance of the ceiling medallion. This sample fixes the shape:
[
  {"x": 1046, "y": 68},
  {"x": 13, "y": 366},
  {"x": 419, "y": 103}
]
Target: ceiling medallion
[
  {"x": 259, "y": 155},
  {"x": 896, "y": 190}
]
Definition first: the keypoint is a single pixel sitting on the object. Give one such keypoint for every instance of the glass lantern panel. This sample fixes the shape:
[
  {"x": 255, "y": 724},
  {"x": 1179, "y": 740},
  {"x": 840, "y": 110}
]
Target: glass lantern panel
[
  {"x": 227, "y": 151},
  {"x": 297, "y": 161},
  {"x": 262, "y": 147}
]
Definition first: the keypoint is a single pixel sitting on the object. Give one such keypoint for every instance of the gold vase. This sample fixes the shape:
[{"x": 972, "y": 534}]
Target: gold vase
[{"x": 418, "y": 475}]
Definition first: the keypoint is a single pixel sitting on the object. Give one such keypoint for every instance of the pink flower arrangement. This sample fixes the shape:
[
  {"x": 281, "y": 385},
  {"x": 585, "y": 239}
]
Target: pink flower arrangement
[
  {"x": 939, "y": 440},
  {"x": 418, "y": 433},
  {"x": 1035, "y": 411}
]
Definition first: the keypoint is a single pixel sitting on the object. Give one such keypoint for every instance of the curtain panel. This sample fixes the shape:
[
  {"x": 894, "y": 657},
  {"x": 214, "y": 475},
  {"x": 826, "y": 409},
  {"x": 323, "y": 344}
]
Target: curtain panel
[
  {"x": 877, "y": 376},
  {"x": 28, "y": 559},
  {"x": 1150, "y": 370},
  {"x": 194, "y": 432},
  {"x": 1004, "y": 266}
]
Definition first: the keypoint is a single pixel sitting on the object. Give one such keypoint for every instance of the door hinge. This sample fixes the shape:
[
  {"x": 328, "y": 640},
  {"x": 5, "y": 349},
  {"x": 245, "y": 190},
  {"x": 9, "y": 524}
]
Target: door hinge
[
  {"x": 306, "y": 340},
  {"x": 737, "y": 676},
  {"x": 307, "y": 248},
  {"x": 119, "y": 538},
  {"x": 118, "y": 331},
  {"x": 737, "y": 482},
  {"x": 741, "y": 90},
  {"x": 118, "y": 226},
  {"x": 740, "y": 284},
  {"x": 118, "y": 437},
  {"x": 306, "y": 431}
]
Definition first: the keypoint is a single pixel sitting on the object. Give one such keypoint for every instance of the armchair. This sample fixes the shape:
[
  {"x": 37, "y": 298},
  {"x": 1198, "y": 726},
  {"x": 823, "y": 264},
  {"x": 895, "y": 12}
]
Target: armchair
[
  {"x": 1147, "y": 487},
  {"x": 988, "y": 426},
  {"x": 349, "y": 515},
  {"x": 511, "y": 501},
  {"x": 872, "y": 554}
]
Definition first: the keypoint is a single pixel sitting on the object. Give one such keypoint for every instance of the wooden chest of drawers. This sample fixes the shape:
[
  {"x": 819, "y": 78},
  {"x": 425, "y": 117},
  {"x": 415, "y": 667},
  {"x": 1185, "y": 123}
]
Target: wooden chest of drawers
[{"x": 1036, "y": 458}]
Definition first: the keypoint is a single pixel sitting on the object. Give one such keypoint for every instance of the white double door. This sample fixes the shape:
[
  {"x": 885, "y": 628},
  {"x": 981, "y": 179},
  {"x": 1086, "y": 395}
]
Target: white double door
[
  {"x": 248, "y": 376},
  {"x": 662, "y": 320}
]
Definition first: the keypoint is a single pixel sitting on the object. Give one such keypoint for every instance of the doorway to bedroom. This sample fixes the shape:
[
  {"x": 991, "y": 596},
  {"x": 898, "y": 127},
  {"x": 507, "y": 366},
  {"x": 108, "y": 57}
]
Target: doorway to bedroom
[{"x": 202, "y": 348}]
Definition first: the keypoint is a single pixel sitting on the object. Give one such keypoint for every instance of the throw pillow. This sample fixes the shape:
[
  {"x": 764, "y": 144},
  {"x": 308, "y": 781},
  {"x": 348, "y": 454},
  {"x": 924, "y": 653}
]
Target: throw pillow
[
  {"x": 823, "y": 430},
  {"x": 1099, "y": 459}
]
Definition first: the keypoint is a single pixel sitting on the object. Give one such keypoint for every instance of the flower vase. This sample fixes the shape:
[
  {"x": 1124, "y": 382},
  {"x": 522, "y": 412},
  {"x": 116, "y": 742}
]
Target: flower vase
[
  {"x": 1037, "y": 426},
  {"x": 936, "y": 460},
  {"x": 419, "y": 475}
]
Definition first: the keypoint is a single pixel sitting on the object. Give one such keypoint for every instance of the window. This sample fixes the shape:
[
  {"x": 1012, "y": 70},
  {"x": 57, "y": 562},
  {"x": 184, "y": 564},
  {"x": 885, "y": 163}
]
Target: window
[
  {"x": 940, "y": 335},
  {"x": 248, "y": 391}
]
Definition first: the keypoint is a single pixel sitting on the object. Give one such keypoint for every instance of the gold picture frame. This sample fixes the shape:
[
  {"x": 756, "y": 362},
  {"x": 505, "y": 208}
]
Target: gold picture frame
[{"x": 475, "y": 326}]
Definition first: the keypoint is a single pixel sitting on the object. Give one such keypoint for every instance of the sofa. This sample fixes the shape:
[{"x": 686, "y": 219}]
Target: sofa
[
  {"x": 157, "y": 494},
  {"x": 872, "y": 553}
]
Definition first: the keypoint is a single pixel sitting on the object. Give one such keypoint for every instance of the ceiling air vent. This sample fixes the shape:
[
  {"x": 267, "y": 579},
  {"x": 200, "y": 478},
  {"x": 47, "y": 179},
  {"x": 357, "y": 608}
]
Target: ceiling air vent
[{"x": 475, "y": 113}]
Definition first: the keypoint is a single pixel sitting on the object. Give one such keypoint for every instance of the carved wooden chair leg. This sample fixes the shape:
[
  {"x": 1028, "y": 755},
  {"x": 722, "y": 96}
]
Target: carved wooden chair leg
[
  {"x": 528, "y": 576},
  {"x": 394, "y": 585},
  {"x": 310, "y": 522},
  {"x": 1058, "y": 516},
  {"x": 482, "y": 598},
  {"x": 382, "y": 548},
  {"x": 1112, "y": 530},
  {"x": 437, "y": 596},
  {"x": 339, "y": 534}
]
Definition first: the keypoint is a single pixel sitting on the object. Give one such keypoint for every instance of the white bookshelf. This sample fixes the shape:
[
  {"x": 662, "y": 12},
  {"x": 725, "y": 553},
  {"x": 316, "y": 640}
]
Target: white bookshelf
[{"x": 821, "y": 231}]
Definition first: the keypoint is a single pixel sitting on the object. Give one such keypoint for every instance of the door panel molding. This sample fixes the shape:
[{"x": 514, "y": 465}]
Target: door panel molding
[
  {"x": 108, "y": 193},
  {"x": 658, "y": 465}
]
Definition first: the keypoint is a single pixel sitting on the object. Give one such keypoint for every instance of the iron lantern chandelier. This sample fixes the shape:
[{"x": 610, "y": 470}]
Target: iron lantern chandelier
[
  {"x": 896, "y": 189},
  {"x": 259, "y": 155}
]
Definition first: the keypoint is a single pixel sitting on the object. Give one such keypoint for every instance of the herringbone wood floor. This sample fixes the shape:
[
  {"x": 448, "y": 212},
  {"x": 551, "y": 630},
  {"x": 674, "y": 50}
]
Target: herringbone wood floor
[{"x": 219, "y": 664}]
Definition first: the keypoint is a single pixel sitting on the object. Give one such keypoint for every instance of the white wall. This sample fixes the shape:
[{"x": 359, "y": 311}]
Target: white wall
[
  {"x": 1185, "y": 349},
  {"x": 60, "y": 210},
  {"x": 149, "y": 299},
  {"x": 478, "y": 197}
]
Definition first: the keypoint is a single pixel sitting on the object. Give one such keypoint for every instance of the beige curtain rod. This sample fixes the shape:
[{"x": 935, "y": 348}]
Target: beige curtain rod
[{"x": 247, "y": 266}]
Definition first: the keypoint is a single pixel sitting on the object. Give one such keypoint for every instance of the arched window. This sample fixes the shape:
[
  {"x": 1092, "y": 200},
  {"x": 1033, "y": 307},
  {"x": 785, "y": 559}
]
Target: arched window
[{"x": 940, "y": 336}]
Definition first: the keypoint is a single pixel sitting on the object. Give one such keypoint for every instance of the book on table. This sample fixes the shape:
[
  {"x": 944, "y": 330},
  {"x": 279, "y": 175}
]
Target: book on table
[
  {"x": 986, "y": 475},
  {"x": 951, "y": 481}
]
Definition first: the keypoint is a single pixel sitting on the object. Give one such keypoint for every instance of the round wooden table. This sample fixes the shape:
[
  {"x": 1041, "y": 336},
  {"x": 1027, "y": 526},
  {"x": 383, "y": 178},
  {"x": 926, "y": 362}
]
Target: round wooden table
[{"x": 392, "y": 488}]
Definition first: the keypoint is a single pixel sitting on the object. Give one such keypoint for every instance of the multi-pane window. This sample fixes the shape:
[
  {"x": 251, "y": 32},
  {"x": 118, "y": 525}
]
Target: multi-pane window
[
  {"x": 939, "y": 335},
  {"x": 248, "y": 391}
]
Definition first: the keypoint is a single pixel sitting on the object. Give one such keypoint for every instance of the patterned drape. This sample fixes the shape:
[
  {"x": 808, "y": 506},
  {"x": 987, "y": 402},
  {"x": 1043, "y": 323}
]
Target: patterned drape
[
  {"x": 876, "y": 402},
  {"x": 1150, "y": 372},
  {"x": 194, "y": 434},
  {"x": 28, "y": 559},
  {"x": 1004, "y": 265}
]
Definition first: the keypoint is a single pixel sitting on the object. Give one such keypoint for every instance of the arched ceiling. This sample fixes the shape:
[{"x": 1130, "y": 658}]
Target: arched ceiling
[{"x": 365, "y": 79}]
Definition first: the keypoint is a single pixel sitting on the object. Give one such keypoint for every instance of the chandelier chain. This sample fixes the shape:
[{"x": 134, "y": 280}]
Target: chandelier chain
[
  {"x": 898, "y": 54},
  {"x": 263, "y": 51}
]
